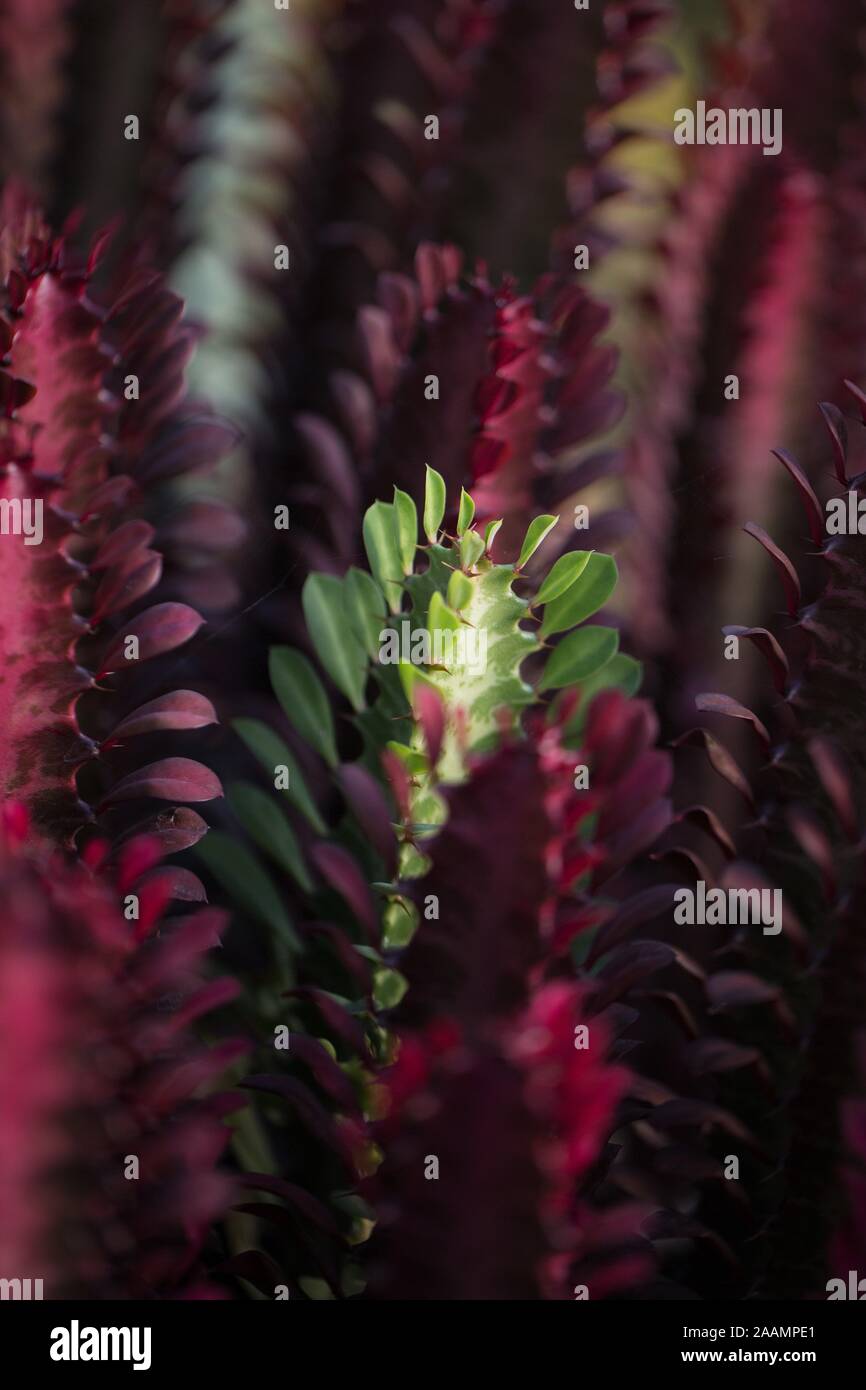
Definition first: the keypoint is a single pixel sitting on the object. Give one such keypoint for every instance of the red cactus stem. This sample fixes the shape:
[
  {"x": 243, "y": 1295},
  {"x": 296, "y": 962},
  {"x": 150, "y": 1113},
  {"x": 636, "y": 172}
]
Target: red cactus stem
[
  {"x": 64, "y": 448},
  {"x": 108, "y": 1156}
]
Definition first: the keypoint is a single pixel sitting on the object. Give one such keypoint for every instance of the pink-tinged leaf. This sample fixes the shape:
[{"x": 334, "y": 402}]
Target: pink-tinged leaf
[
  {"x": 835, "y": 779},
  {"x": 674, "y": 1005},
  {"x": 177, "y": 883},
  {"x": 171, "y": 1088},
  {"x": 635, "y": 838},
  {"x": 432, "y": 274},
  {"x": 724, "y": 704},
  {"x": 398, "y": 295},
  {"x": 174, "y": 830},
  {"x": 698, "y": 1114},
  {"x": 637, "y": 911},
  {"x": 182, "y": 709},
  {"x": 731, "y": 989},
  {"x": 335, "y": 1016},
  {"x": 859, "y": 398},
  {"x": 158, "y": 630},
  {"x": 306, "y": 1108},
  {"x": 381, "y": 358},
  {"x": 109, "y": 497},
  {"x": 357, "y": 968},
  {"x": 333, "y": 463},
  {"x": 137, "y": 857},
  {"x": 626, "y": 966},
  {"x": 399, "y": 782},
  {"x": 205, "y": 525},
  {"x": 95, "y": 855},
  {"x": 769, "y": 647},
  {"x": 328, "y": 1073},
  {"x": 371, "y": 810},
  {"x": 720, "y": 760},
  {"x": 341, "y": 872},
  {"x": 171, "y": 779},
  {"x": 125, "y": 583},
  {"x": 211, "y": 996},
  {"x": 838, "y": 431},
  {"x": 809, "y": 834},
  {"x": 686, "y": 863},
  {"x": 180, "y": 952},
  {"x": 153, "y": 899},
  {"x": 811, "y": 505},
  {"x": 718, "y": 1055},
  {"x": 194, "y": 444},
  {"x": 707, "y": 820},
  {"x": 741, "y": 875},
  {"x": 429, "y": 711},
  {"x": 132, "y": 535},
  {"x": 297, "y": 1198},
  {"x": 617, "y": 732},
  {"x": 100, "y": 244},
  {"x": 787, "y": 573},
  {"x": 357, "y": 409}
]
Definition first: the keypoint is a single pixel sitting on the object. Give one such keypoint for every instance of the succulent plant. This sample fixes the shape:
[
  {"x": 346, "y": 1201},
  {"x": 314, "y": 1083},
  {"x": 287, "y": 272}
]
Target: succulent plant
[
  {"x": 77, "y": 557},
  {"x": 110, "y": 1160},
  {"x": 409, "y": 353},
  {"x": 428, "y": 795}
]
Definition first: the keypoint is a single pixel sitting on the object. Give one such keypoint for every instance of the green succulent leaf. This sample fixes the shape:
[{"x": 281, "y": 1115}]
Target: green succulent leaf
[
  {"x": 465, "y": 513},
  {"x": 459, "y": 590},
  {"x": 471, "y": 549},
  {"x": 622, "y": 673},
  {"x": 333, "y": 636},
  {"x": 389, "y": 987},
  {"x": 434, "y": 503},
  {"x": 579, "y": 656},
  {"x": 263, "y": 822},
  {"x": 364, "y": 607},
  {"x": 399, "y": 924},
  {"x": 584, "y": 597},
  {"x": 440, "y": 617},
  {"x": 565, "y": 571},
  {"x": 271, "y": 752},
  {"x": 243, "y": 878},
  {"x": 382, "y": 543},
  {"x": 303, "y": 700},
  {"x": 407, "y": 528},
  {"x": 536, "y": 532},
  {"x": 491, "y": 531}
]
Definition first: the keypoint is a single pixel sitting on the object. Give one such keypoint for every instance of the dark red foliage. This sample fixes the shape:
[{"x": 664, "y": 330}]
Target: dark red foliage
[
  {"x": 99, "y": 1070},
  {"x": 85, "y": 456}
]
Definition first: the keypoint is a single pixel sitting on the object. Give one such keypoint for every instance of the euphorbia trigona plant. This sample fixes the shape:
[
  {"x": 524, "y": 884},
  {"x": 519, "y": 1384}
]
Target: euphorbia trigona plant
[
  {"x": 94, "y": 424},
  {"x": 109, "y": 1150},
  {"x": 489, "y": 1062},
  {"x": 432, "y": 879}
]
